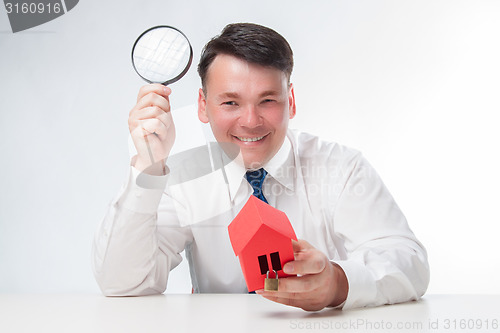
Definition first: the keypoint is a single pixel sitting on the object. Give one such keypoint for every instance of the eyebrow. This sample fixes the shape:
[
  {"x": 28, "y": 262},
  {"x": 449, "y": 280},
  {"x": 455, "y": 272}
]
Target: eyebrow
[
  {"x": 236, "y": 95},
  {"x": 269, "y": 93},
  {"x": 228, "y": 95}
]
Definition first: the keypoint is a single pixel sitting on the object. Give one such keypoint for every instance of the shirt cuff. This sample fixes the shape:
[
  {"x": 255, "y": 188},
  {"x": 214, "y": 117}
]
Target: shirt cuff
[
  {"x": 143, "y": 192},
  {"x": 362, "y": 289}
]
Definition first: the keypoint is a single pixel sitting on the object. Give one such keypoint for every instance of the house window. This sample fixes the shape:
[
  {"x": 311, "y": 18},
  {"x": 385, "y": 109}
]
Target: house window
[
  {"x": 275, "y": 261},
  {"x": 263, "y": 264}
]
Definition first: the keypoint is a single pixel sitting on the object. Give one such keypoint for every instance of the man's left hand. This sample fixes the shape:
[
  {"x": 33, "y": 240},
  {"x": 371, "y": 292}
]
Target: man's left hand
[{"x": 320, "y": 282}]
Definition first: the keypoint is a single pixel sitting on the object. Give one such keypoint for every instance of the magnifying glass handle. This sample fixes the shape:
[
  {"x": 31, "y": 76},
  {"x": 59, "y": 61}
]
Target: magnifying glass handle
[
  {"x": 153, "y": 165},
  {"x": 150, "y": 153}
]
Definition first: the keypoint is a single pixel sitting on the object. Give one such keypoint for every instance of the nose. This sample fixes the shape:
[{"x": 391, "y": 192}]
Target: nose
[{"x": 250, "y": 117}]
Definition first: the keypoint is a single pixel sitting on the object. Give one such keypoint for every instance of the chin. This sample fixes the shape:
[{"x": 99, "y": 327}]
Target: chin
[{"x": 252, "y": 162}]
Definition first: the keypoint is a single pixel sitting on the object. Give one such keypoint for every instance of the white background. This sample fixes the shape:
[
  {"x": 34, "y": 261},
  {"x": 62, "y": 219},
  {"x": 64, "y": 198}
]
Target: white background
[{"x": 414, "y": 85}]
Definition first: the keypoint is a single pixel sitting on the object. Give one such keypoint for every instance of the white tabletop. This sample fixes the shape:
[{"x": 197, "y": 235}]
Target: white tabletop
[{"x": 239, "y": 313}]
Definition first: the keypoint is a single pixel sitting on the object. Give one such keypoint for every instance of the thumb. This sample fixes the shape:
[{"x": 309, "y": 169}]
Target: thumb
[{"x": 300, "y": 245}]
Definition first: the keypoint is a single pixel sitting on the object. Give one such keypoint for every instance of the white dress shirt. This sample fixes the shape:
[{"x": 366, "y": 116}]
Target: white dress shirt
[{"x": 333, "y": 198}]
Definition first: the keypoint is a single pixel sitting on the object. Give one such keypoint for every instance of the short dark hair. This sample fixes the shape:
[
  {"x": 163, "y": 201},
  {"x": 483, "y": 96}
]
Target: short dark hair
[{"x": 250, "y": 42}]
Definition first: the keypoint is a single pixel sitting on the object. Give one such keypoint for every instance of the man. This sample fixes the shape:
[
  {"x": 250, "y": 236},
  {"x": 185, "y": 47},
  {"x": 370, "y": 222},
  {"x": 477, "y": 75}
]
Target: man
[{"x": 355, "y": 248}]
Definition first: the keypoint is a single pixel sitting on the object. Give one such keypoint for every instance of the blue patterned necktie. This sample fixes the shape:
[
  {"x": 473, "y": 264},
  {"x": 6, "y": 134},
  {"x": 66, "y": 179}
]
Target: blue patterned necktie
[{"x": 256, "y": 178}]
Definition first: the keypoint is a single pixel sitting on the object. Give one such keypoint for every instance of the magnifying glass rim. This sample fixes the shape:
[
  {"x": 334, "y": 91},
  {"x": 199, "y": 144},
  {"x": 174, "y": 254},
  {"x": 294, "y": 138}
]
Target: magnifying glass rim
[{"x": 178, "y": 76}]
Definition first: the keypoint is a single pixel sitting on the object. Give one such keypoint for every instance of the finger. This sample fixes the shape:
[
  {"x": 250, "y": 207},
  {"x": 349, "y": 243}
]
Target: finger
[
  {"x": 281, "y": 294},
  {"x": 308, "y": 261},
  {"x": 156, "y": 88},
  {"x": 284, "y": 300},
  {"x": 288, "y": 299},
  {"x": 299, "y": 284},
  {"x": 155, "y": 126},
  {"x": 308, "y": 304},
  {"x": 313, "y": 300},
  {"x": 166, "y": 119},
  {"x": 300, "y": 245},
  {"x": 149, "y": 112},
  {"x": 156, "y": 137},
  {"x": 153, "y": 99}
]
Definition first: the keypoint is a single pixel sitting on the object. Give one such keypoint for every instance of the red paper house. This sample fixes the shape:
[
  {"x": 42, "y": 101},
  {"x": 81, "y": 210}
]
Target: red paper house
[{"x": 261, "y": 237}]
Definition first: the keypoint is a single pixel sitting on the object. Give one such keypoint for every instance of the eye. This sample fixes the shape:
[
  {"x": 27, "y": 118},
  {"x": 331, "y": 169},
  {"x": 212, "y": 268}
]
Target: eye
[
  {"x": 268, "y": 100},
  {"x": 230, "y": 103}
]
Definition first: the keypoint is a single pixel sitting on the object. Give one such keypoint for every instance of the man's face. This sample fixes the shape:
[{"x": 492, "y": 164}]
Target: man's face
[{"x": 248, "y": 105}]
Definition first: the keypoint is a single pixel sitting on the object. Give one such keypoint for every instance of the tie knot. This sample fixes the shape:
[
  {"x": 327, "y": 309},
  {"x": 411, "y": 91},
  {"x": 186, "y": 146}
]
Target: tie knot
[
  {"x": 258, "y": 175},
  {"x": 256, "y": 178}
]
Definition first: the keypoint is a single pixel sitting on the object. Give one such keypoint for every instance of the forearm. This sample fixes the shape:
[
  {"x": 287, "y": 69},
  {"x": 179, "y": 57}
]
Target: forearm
[
  {"x": 127, "y": 260},
  {"x": 386, "y": 274},
  {"x": 126, "y": 255},
  {"x": 384, "y": 263}
]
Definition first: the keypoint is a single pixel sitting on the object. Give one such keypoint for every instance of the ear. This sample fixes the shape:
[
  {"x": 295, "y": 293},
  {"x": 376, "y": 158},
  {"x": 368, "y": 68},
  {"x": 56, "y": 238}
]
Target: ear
[
  {"x": 292, "y": 109},
  {"x": 202, "y": 107}
]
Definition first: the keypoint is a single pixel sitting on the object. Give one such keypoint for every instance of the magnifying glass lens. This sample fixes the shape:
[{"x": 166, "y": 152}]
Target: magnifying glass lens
[{"x": 162, "y": 54}]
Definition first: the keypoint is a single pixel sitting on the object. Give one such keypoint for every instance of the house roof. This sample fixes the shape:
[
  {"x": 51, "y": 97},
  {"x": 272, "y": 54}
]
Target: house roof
[{"x": 254, "y": 215}]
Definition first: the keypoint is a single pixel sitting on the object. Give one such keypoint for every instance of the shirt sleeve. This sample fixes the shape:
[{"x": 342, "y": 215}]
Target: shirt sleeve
[
  {"x": 385, "y": 262},
  {"x": 134, "y": 250}
]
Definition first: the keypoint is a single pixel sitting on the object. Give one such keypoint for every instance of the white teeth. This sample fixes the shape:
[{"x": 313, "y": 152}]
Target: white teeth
[{"x": 250, "y": 139}]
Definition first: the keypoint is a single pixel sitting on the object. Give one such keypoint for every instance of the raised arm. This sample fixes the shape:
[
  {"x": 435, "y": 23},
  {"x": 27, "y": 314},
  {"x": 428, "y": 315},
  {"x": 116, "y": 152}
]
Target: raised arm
[{"x": 130, "y": 256}]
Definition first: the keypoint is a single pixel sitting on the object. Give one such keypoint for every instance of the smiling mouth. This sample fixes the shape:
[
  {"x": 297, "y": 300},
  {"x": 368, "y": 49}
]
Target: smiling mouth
[{"x": 241, "y": 138}]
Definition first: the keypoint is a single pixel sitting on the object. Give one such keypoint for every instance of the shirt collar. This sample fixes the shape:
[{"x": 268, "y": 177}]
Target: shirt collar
[
  {"x": 234, "y": 173},
  {"x": 281, "y": 166}
]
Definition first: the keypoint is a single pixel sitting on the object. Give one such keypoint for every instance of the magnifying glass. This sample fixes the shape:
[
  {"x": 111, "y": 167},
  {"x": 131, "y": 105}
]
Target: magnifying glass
[{"x": 162, "y": 54}]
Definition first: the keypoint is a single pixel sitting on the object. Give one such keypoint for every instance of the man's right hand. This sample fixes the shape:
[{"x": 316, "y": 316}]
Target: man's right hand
[{"x": 152, "y": 128}]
